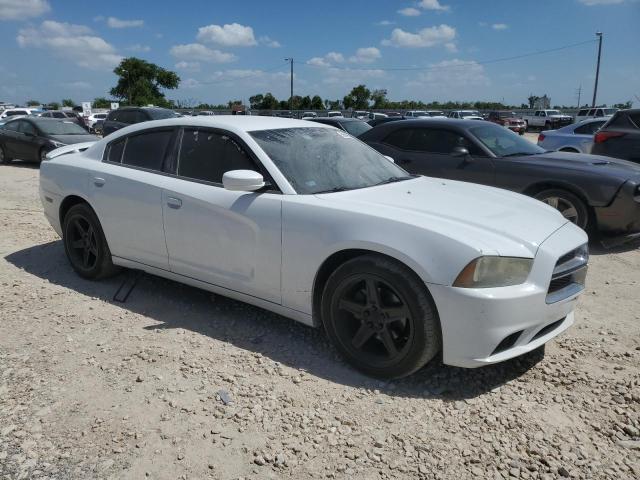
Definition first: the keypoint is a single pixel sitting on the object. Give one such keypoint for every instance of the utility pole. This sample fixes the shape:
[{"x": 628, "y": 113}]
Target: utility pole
[
  {"x": 290, "y": 60},
  {"x": 595, "y": 88},
  {"x": 579, "y": 92}
]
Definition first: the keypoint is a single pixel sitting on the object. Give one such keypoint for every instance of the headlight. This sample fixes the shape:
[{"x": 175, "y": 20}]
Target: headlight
[
  {"x": 487, "y": 272},
  {"x": 58, "y": 144}
]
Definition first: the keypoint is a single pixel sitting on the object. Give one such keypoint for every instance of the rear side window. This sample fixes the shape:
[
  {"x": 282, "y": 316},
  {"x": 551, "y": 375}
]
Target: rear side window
[
  {"x": 26, "y": 127},
  {"x": 115, "y": 151},
  {"x": 588, "y": 128},
  {"x": 147, "y": 150},
  {"x": 582, "y": 113},
  {"x": 399, "y": 138},
  {"x": 634, "y": 118},
  {"x": 207, "y": 155},
  {"x": 625, "y": 120}
]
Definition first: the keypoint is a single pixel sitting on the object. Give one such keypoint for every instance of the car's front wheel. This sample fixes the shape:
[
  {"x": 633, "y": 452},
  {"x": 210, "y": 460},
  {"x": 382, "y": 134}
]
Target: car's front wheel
[
  {"x": 568, "y": 204},
  {"x": 380, "y": 317},
  {"x": 85, "y": 244}
]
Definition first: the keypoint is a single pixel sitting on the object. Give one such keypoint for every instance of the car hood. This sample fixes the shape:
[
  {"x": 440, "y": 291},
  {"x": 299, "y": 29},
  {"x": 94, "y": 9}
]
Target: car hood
[
  {"x": 492, "y": 220},
  {"x": 70, "y": 139},
  {"x": 599, "y": 164}
]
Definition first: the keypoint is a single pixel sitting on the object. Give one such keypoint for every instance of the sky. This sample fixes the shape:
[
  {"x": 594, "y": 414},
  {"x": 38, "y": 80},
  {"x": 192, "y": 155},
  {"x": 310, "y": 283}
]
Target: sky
[{"x": 430, "y": 50}]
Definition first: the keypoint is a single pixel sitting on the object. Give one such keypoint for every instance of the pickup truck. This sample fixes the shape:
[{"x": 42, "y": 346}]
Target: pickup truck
[
  {"x": 547, "y": 120},
  {"x": 586, "y": 113}
]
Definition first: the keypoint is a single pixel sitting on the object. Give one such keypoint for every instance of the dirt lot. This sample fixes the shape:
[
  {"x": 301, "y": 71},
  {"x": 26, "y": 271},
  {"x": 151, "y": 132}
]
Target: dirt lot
[{"x": 179, "y": 384}]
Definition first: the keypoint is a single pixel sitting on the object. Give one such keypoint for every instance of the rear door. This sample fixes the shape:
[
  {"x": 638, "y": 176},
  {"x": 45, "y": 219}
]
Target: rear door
[
  {"x": 430, "y": 151},
  {"x": 125, "y": 189}
]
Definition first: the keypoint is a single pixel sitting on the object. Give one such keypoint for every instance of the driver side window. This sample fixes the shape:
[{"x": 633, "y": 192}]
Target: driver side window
[
  {"x": 206, "y": 155},
  {"x": 27, "y": 128}
]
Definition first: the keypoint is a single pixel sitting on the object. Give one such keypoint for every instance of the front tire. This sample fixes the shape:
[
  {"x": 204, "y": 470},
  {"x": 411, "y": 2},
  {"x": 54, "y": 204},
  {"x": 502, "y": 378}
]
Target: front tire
[
  {"x": 568, "y": 204},
  {"x": 380, "y": 317},
  {"x": 85, "y": 244}
]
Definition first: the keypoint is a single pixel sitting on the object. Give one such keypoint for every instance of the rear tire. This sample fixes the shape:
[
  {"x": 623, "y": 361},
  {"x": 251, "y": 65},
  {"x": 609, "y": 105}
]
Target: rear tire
[
  {"x": 85, "y": 244},
  {"x": 380, "y": 317},
  {"x": 3, "y": 156},
  {"x": 567, "y": 203}
]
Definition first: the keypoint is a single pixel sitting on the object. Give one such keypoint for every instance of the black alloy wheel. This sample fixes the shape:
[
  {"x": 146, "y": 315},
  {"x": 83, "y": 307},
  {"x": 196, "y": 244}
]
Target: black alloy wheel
[
  {"x": 380, "y": 317},
  {"x": 85, "y": 244}
]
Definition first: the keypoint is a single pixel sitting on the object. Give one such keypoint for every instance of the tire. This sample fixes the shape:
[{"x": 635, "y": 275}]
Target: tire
[
  {"x": 85, "y": 244},
  {"x": 567, "y": 203},
  {"x": 3, "y": 157},
  {"x": 380, "y": 317},
  {"x": 547, "y": 126},
  {"x": 521, "y": 132},
  {"x": 526, "y": 126},
  {"x": 42, "y": 155}
]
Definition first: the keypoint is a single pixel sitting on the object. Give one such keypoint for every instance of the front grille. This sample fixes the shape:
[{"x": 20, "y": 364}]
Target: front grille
[{"x": 568, "y": 275}]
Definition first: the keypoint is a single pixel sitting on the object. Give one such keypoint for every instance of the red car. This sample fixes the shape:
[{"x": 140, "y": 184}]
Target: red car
[{"x": 509, "y": 120}]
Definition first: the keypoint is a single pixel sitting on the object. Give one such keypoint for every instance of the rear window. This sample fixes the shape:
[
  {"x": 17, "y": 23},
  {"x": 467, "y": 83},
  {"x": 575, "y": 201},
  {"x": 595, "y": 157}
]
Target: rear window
[
  {"x": 147, "y": 150},
  {"x": 160, "y": 114},
  {"x": 356, "y": 128}
]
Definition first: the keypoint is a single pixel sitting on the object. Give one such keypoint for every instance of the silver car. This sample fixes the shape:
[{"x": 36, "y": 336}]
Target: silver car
[{"x": 577, "y": 137}]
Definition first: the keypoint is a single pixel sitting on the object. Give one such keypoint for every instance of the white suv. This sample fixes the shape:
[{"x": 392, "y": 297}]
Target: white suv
[{"x": 586, "y": 113}]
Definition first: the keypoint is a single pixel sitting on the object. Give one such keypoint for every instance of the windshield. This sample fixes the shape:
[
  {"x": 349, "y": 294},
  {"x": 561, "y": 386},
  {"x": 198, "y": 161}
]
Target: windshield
[
  {"x": 317, "y": 159},
  {"x": 159, "y": 114},
  {"x": 356, "y": 128},
  {"x": 436, "y": 114},
  {"x": 61, "y": 128},
  {"x": 468, "y": 113},
  {"x": 503, "y": 142},
  {"x": 553, "y": 112},
  {"x": 610, "y": 111}
]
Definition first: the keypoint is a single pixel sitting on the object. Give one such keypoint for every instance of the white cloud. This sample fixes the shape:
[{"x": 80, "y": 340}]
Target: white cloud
[
  {"x": 190, "y": 83},
  {"x": 77, "y": 85},
  {"x": 427, "y": 37},
  {"x": 197, "y": 52},
  {"x": 23, "y": 9},
  {"x": 188, "y": 66},
  {"x": 384, "y": 23},
  {"x": 499, "y": 26},
  {"x": 139, "y": 48},
  {"x": 366, "y": 55},
  {"x": 451, "y": 47},
  {"x": 269, "y": 42},
  {"x": 448, "y": 75},
  {"x": 347, "y": 77},
  {"x": 230, "y": 35},
  {"x": 113, "y": 22},
  {"x": 409, "y": 12},
  {"x": 76, "y": 43},
  {"x": 326, "y": 61},
  {"x": 591, "y": 3},
  {"x": 432, "y": 5}
]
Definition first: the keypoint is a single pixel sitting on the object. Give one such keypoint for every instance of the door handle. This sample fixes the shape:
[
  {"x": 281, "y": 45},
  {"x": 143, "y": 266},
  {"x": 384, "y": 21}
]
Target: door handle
[
  {"x": 98, "y": 182},
  {"x": 173, "y": 202}
]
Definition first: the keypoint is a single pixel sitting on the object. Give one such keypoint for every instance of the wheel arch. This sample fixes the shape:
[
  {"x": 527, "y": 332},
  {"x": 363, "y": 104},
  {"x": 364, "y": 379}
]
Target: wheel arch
[
  {"x": 538, "y": 187},
  {"x": 68, "y": 202},
  {"x": 337, "y": 258}
]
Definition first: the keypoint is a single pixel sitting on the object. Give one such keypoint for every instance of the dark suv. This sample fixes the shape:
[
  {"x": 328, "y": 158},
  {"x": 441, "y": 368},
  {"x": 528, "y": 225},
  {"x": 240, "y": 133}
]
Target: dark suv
[
  {"x": 620, "y": 136},
  {"x": 123, "y": 117}
]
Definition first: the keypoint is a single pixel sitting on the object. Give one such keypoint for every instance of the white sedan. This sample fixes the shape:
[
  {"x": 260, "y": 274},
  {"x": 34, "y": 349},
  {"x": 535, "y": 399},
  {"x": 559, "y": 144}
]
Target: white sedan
[{"x": 305, "y": 220}]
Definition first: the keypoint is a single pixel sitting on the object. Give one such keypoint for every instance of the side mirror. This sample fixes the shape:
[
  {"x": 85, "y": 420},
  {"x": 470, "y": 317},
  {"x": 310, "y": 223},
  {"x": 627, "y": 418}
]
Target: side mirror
[
  {"x": 389, "y": 158},
  {"x": 242, "y": 180},
  {"x": 460, "y": 152}
]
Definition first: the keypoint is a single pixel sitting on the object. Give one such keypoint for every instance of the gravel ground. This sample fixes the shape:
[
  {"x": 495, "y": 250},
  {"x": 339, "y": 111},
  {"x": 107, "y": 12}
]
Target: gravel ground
[{"x": 179, "y": 384}]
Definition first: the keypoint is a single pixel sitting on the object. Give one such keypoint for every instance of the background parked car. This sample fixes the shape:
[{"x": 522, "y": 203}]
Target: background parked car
[
  {"x": 465, "y": 115},
  {"x": 14, "y": 112},
  {"x": 334, "y": 113},
  {"x": 379, "y": 121},
  {"x": 547, "y": 119},
  {"x": 306, "y": 115},
  {"x": 94, "y": 118},
  {"x": 509, "y": 120},
  {"x": 586, "y": 113},
  {"x": 620, "y": 137},
  {"x": 360, "y": 114},
  {"x": 117, "y": 119},
  {"x": 353, "y": 126},
  {"x": 577, "y": 137},
  {"x": 31, "y": 138},
  {"x": 416, "y": 114},
  {"x": 593, "y": 192},
  {"x": 69, "y": 115}
]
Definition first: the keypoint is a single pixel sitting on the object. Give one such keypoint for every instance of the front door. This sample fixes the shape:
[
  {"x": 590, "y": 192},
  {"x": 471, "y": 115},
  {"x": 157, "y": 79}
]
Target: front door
[{"x": 227, "y": 238}]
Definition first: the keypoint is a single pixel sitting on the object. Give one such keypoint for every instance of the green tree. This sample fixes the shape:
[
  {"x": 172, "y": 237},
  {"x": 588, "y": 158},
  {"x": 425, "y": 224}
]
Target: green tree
[
  {"x": 305, "y": 103},
  {"x": 316, "y": 103},
  {"x": 67, "y": 102},
  {"x": 140, "y": 82},
  {"x": 54, "y": 106},
  {"x": 33, "y": 103},
  {"x": 269, "y": 102},
  {"x": 379, "y": 98},
  {"x": 624, "y": 105},
  {"x": 101, "y": 102},
  {"x": 255, "y": 102},
  {"x": 358, "y": 98}
]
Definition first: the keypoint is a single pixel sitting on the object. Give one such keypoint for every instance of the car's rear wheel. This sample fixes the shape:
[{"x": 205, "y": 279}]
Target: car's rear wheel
[
  {"x": 380, "y": 317},
  {"x": 568, "y": 204},
  {"x": 3, "y": 156},
  {"x": 85, "y": 244},
  {"x": 42, "y": 155}
]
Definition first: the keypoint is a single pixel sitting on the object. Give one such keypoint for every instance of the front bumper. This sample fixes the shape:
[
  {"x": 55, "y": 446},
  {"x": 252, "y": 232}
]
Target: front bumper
[
  {"x": 489, "y": 325},
  {"x": 516, "y": 128},
  {"x": 622, "y": 216}
]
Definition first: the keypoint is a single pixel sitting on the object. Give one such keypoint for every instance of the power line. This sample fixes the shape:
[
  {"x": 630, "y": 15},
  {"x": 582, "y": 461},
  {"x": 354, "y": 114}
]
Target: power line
[{"x": 461, "y": 64}]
